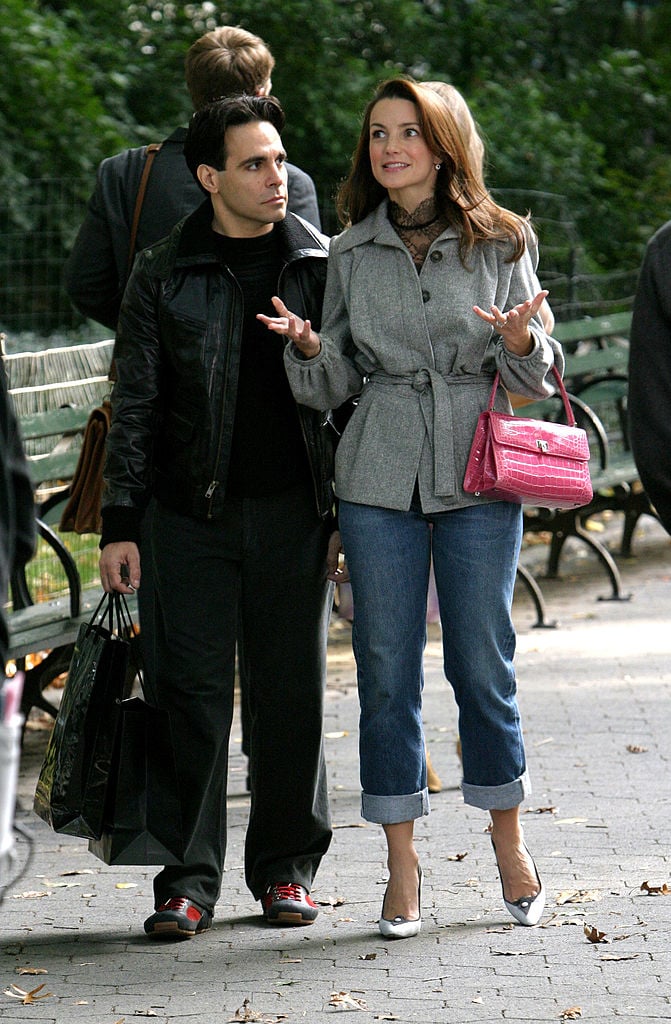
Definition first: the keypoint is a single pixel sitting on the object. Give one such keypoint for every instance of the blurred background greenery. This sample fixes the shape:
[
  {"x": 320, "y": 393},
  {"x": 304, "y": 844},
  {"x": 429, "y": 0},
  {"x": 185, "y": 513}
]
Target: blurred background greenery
[{"x": 573, "y": 98}]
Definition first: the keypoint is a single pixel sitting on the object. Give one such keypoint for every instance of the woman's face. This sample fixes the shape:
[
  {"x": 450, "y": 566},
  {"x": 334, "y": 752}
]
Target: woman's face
[{"x": 400, "y": 158}]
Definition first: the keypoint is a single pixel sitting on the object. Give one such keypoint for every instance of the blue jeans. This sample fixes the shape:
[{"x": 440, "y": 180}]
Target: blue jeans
[{"x": 475, "y": 552}]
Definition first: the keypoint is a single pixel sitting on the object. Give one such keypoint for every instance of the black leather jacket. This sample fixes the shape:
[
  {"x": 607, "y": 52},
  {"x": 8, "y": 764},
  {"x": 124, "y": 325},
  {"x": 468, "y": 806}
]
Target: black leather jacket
[{"x": 177, "y": 360}]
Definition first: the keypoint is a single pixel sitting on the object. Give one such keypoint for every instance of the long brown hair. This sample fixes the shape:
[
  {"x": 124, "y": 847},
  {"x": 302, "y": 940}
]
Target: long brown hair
[{"x": 461, "y": 196}]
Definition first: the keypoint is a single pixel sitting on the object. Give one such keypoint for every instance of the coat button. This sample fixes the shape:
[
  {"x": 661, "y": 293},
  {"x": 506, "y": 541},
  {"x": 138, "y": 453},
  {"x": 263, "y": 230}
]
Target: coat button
[
  {"x": 436, "y": 256},
  {"x": 425, "y": 295}
]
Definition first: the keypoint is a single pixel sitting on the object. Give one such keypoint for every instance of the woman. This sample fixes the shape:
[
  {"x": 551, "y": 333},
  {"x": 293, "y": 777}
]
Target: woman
[{"x": 403, "y": 327}]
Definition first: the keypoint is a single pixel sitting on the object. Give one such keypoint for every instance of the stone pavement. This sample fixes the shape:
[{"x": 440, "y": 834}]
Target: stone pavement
[{"x": 596, "y": 698}]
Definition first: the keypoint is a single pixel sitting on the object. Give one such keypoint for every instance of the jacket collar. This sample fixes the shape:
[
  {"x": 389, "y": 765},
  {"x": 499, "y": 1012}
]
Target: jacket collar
[
  {"x": 377, "y": 227},
  {"x": 194, "y": 241}
]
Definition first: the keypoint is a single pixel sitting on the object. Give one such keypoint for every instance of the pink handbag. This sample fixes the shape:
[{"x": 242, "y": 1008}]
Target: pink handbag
[{"x": 533, "y": 462}]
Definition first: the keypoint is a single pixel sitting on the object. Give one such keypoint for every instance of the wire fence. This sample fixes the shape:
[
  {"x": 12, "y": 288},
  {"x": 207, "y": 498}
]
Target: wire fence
[{"x": 38, "y": 224}]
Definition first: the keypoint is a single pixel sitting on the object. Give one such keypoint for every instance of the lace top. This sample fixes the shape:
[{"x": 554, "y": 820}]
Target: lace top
[{"x": 417, "y": 230}]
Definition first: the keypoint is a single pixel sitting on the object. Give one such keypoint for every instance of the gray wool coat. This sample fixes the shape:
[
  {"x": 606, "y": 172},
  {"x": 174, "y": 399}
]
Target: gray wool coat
[{"x": 421, "y": 359}]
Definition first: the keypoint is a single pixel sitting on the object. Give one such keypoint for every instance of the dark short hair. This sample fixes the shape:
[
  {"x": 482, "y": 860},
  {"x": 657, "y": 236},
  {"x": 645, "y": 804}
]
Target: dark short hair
[{"x": 206, "y": 138}]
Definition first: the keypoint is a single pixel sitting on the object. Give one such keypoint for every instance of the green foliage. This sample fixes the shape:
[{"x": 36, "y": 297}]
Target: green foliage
[{"x": 572, "y": 95}]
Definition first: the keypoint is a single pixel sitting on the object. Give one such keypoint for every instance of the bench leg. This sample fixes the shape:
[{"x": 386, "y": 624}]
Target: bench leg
[
  {"x": 606, "y": 559},
  {"x": 39, "y": 677},
  {"x": 537, "y": 597}
]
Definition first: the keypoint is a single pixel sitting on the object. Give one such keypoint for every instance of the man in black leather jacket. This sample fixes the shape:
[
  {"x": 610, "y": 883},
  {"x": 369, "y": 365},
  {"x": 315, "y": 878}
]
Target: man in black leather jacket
[
  {"x": 225, "y": 62},
  {"x": 204, "y": 422},
  {"x": 650, "y": 373}
]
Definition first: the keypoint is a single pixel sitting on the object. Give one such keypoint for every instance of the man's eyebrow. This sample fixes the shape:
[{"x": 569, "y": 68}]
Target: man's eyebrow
[{"x": 261, "y": 157}]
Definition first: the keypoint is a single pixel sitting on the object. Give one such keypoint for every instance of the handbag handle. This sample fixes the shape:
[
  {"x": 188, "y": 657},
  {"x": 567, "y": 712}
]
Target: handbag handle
[{"x": 570, "y": 418}]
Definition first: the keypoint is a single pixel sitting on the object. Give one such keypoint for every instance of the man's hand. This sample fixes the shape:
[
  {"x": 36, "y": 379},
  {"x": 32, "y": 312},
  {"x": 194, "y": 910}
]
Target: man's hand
[
  {"x": 337, "y": 567},
  {"x": 120, "y": 567}
]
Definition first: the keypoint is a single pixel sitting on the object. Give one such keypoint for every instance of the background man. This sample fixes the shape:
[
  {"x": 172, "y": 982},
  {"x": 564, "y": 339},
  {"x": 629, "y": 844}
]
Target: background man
[
  {"x": 204, "y": 421},
  {"x": 225, "y": 62},
  {"x": 650, "y": 373}
]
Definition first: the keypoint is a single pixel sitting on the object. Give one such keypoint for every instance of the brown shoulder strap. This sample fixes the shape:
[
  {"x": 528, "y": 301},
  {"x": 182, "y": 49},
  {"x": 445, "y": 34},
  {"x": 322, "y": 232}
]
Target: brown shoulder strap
[{"x": 152, "y": 150}]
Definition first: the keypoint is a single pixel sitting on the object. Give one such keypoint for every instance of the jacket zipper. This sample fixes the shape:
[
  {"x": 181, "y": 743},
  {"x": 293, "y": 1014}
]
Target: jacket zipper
[{"x": 209, "y": 493}]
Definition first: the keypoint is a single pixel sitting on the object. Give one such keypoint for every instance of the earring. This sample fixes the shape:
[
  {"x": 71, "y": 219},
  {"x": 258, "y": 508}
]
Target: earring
[{"x": 437, "y": 166}]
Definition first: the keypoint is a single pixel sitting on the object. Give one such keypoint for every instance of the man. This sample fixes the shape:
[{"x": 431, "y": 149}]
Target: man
[
  {"x": 650, "y": 374},
  {"x": 17, "y": 508},
  {"x": 204, "y": 423},
  {"x": 225, "y": 62}
]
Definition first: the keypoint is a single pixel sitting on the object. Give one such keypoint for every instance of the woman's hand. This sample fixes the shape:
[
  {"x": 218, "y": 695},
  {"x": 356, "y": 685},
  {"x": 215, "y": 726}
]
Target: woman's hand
[
  {"x": 296, "y": 330},
  {"x": 513, "y": 326}
]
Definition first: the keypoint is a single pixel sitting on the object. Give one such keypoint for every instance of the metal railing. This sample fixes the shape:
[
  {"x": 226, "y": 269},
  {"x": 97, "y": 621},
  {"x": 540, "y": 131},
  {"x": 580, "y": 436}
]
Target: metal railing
[{"x": 38, "y": 224}]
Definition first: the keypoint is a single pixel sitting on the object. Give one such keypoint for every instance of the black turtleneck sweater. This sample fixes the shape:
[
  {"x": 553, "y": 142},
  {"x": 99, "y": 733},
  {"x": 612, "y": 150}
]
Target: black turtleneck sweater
[{"x": 267, "y": 452}]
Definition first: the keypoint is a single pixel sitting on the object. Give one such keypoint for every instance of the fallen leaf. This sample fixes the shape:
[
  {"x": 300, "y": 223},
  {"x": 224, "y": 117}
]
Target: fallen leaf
[
  {"x": 145, "y": 1013},
  {"x": 31, "y": 970},
  {"x": 291, "y": 961},
  {"x": 332, "y": 901},
  {"x": 79, "y": 871},
  {"x": 593, "y": 934},
  {"x": 368, "y": 956},
  {"x": 633, "y": 749},
  {"x": 512, "y": 952},
  {"x": 655, "y": 890},
  {"x": 344, "y": 1001},
  {"x": 27, "y": 997},
  {"x": 31, "y": 895},
  {"x": 246, "y": 1014},
  {"x": 540, "y": 810},
  {"x": 571, "y": 821},
  {"x": 352, "y": 824},
  {"x": 572, "y": 1013},
  {"x": 614, "y": 956},
  {"x": 125, "y": 885},
  {"x": 336, "y": 735},
  {"x": 456, "y": 856},
  {"x": 577, "y": 896}
]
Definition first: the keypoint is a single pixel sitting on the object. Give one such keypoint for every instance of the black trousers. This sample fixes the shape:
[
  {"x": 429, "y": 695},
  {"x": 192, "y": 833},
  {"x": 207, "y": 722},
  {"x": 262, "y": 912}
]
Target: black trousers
[{"x": 263, "y": 567}]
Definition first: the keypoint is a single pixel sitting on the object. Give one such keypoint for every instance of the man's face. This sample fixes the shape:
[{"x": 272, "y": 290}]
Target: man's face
[{"x": 252, "y": 188}]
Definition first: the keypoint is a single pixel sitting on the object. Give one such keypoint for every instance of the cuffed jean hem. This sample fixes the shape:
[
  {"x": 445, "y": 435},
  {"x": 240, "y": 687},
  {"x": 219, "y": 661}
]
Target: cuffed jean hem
[
  {"x": 497, "y": 798},
  {"x": 390, "y": 810}
]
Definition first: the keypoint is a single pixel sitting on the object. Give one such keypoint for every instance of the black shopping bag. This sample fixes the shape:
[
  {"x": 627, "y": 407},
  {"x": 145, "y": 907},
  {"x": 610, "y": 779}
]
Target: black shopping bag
[
  {"x": 143, "y": 822},
  {"x": 72, "y": 786}
]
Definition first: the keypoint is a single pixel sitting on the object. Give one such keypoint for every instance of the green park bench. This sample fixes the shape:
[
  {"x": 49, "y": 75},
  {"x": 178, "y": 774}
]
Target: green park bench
[{"x": 54, "y": 392}]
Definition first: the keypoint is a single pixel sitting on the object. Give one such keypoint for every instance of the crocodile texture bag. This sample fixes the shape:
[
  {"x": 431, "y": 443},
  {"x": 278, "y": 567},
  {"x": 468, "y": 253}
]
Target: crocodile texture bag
[{"x": 533, "y": 462}]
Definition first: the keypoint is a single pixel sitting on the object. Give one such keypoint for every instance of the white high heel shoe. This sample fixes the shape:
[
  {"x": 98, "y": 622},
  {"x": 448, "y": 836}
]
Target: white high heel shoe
[
  {"x": 402, "y": 927},
  {"x": 527, "y": 910}
]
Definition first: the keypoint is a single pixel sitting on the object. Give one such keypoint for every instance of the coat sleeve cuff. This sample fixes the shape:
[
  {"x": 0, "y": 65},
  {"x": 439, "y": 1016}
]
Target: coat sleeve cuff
[{"x": 120, "y": 523}]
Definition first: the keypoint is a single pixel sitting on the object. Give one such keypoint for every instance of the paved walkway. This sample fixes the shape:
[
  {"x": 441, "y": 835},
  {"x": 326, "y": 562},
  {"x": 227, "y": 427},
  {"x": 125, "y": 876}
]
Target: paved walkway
[{"x": 596, "y": 699}]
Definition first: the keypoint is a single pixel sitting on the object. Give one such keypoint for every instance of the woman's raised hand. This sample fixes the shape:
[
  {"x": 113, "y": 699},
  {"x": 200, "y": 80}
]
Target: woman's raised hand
[
  {"x": 291, "y": 326},
  {"x": 513, "y": 326}
]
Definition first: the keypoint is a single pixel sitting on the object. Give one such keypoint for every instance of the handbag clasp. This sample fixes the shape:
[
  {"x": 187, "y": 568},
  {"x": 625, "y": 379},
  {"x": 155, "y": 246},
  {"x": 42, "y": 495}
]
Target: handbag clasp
[{"x": 542, "y": 446}]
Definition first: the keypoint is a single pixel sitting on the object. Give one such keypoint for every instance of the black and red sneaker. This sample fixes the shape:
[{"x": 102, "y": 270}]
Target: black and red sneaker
[
  {"x": 288, "y": 904},
  {"x": 178, "y": 918}
]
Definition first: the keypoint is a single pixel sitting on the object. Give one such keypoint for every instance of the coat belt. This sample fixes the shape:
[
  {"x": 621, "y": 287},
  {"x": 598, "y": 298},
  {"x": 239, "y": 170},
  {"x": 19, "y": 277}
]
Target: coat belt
[{"x": 435, "y": 401}]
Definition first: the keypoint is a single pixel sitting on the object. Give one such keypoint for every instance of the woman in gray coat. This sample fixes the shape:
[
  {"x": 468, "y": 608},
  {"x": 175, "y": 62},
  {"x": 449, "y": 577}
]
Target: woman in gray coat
[{"x": 431, "y": 288}]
